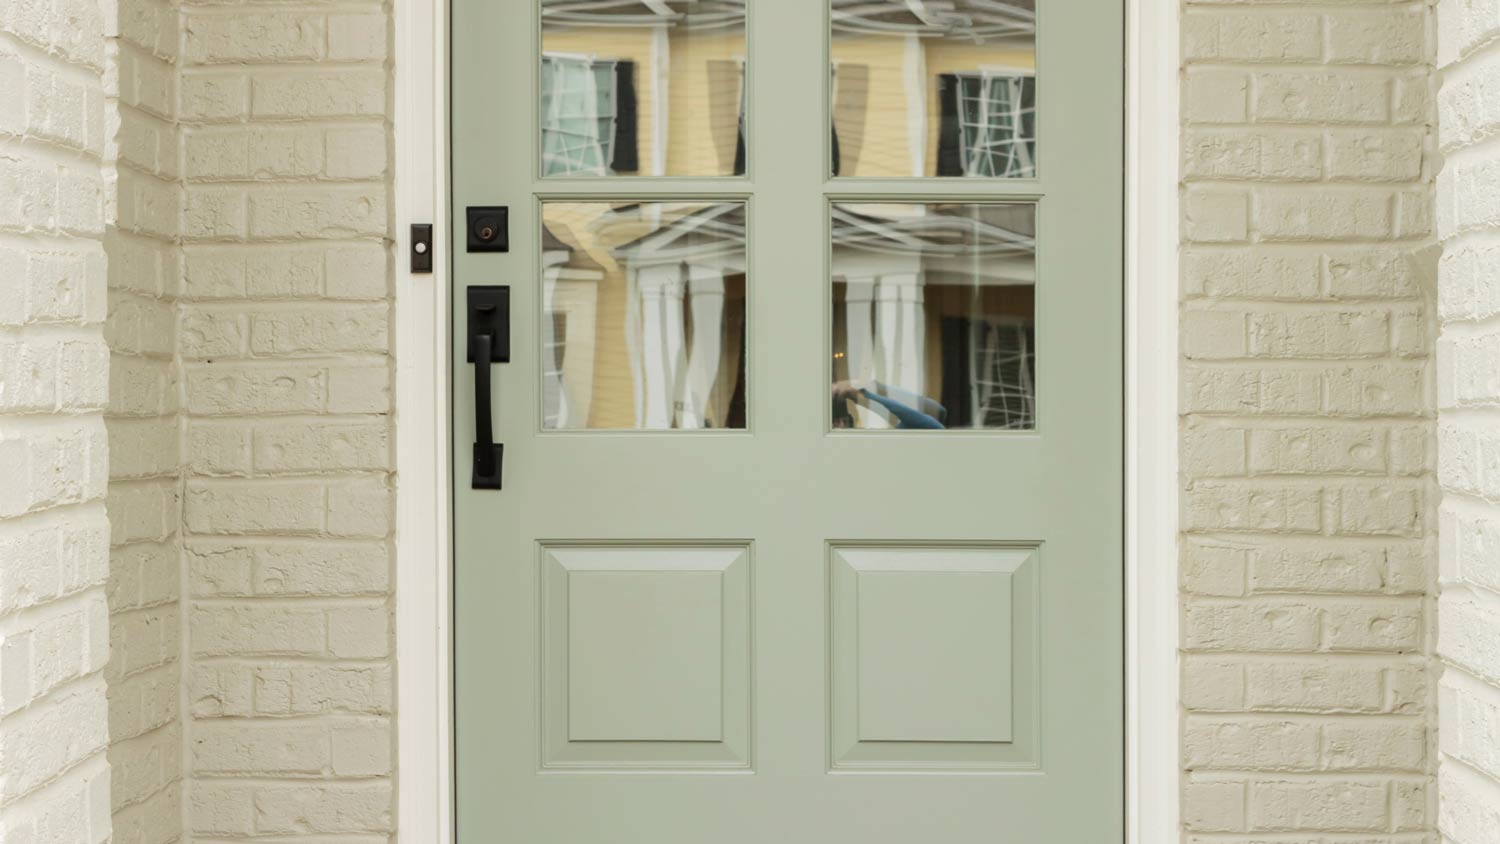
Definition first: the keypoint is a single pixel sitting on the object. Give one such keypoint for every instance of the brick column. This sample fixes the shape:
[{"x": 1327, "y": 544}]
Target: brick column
[
  {"x": 1469, "y": 421},
  {"x": 285, "y": 344},
  {"x": 1305, "y": 422},
  {"x": 54, "y": 377}
]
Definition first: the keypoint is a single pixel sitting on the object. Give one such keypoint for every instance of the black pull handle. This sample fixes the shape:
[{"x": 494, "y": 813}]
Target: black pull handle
[
  {"x": 487, "y": 454},
  {"x": 489, "y": 342}
]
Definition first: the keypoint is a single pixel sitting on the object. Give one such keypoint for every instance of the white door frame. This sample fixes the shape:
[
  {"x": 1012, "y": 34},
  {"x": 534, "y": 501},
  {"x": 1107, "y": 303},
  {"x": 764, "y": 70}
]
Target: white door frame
[{"x": 424, "y": 631}]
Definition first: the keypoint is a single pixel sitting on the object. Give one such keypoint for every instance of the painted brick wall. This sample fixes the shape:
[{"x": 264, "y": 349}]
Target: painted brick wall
[
  {"x": 286, "y": 372},
  {"x": 1306, "y": 419},
  {"x": 54, "y": 368},
  {"x": 1468, "y": 355},
  {"x": 144, "y": 674}
]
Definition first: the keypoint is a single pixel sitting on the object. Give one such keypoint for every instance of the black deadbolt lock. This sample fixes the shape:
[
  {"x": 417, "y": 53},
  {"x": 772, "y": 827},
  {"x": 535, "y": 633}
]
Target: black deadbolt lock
[{"x": 489, "y": 228}]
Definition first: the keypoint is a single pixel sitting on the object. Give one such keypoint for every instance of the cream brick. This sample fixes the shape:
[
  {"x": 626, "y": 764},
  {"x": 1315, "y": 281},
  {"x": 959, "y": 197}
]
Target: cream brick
[
  {"x": 1464, "y": 290},
  {"x": 362, "y": 750},
  {"x": 215, "y": 95},
  {"x": 327, "y": 212},
  {"x": 1237, "y": 506},
  {"x": 357, "y": 36},
  {"x": 1319, "y": 450},
  {"x": 1316, "y": 685},
  {"x": 1377, "y": 36},
  {"x": 1251, "y": 36},
  {"x": 222, "y": 390},
  {"x": 357, "y": 152},
  {"x": 1214, "y": 451},
  {"x": 222, "y": 809},
  {"x": 1214, "y": 95},
  {"x": 1375, "y": 156},
  {"x": 1243, "y": 390},
  {"x": 1324, "y": 213},
  {"x": 1214, "y": 806},
  {"x": 318, "y": 93},
  {"x": 253, "y": 37},
  {"x": 1321, "y": 333},
  {"x": 1208, "y": 335},
  {"x": 260, "y": 748},
  {"x": 306, "y": 331},
  {"x": 1374, "y": 745},
  {"x": 1217, "y": 215},
  {"x": 1393, "y": 626},
  {"x": 1212, "y": 684},
  {"x": 1214, "y": 742},
  {"x": 1469, "y": 637},
  {"x": 256, "y": 629},
  {"x": 359, "y": 632},
  {"x": 1325, "y": 805},
  {"x": 1321, "y": 98},
  {"x": 254, "y": 507},
  {"x": 1465, "y": 114},
  {"x": 1371, "y": 272},
  {"x": 1268, "y": 624},
  {"x": 1251, "y": 274},
  {"x": 1391, "y": 508},
  {"x": 320, "y": 808},
  {"x": 1214, "y": 567},
  {"x": 241, "y": 689},
  {"x": 322, "y": 447},
  {"x": 228, "y": 568}
]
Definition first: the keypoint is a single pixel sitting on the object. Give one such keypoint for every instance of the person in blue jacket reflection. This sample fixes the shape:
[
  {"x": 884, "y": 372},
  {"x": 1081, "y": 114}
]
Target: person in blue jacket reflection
[{"x": 903, "y": 408}]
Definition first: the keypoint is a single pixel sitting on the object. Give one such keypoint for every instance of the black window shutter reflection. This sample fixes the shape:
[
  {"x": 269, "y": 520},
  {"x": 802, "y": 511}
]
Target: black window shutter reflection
[
  {"x": 958, "y": 379},
  {"x": 950, "y": 160},
  {"x": 837, "y": 158},
  {"x": 739, "y": 149},
  {"x": 627, "y": 157}
]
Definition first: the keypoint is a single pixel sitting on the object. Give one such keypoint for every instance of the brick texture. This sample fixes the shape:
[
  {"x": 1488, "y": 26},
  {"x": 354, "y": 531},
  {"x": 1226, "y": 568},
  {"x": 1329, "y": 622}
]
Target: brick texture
[
  {"x": 1468, "y": 353},
  {"x": 1307, "y": 472},
  {"x": 284, "y": 343},
  {"x": 145, "y": 269},
  {"x": 54, "y": 376}
]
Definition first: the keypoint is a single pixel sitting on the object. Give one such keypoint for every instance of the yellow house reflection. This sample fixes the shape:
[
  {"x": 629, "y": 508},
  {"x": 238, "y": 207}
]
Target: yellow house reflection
[{"x": 645, "y": 322}]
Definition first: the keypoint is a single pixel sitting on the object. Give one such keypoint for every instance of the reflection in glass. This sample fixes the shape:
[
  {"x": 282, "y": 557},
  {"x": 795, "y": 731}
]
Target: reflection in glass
[
  {"x": 933, "y": 316},
  {"x": 643, "y": 315},
  {"x": 642, "y": 87},
  {"x": 934, "y": 88}
]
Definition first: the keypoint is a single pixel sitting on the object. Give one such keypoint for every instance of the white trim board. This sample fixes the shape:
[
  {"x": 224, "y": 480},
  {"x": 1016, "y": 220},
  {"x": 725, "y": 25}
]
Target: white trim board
[{"x": 424, "y": 702}]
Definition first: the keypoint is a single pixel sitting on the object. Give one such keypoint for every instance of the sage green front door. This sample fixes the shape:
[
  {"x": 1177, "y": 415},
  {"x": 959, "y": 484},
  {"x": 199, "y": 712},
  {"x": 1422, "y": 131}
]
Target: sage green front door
[{"x": 809, "y": 524}]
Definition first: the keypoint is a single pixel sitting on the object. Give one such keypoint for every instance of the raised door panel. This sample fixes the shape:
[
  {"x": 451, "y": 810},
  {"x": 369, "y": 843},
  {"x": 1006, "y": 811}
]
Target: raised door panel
[
  {"x": 645, "y": 656},
  {"x": 933, "y": 657}
]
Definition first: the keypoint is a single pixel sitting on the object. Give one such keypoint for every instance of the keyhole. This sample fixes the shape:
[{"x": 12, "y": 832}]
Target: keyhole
[{"x": 486, "y": 233}]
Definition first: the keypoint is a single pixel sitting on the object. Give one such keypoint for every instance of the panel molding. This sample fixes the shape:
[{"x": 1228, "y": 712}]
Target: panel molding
[
  {"x": 605, "y": 625},
  {"x": 992, "y": 719}
]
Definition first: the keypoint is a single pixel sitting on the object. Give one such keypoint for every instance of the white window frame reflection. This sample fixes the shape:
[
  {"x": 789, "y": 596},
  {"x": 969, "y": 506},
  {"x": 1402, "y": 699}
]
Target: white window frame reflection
[
  {"x": 674, "y": 381},
  {"x": 988, "y": 134},
  {"x": 573, "y": 294},
  {"x": 566, "y": 151}
]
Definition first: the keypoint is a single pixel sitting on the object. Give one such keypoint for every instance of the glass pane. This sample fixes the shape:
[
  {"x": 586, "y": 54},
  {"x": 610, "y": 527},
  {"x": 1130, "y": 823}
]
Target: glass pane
[
  {"x": 643, "y": 87},
  {"x": 643, "y": 315},
  {"x": 934, "y": 316},
  {"x": 934, "y": 89}
]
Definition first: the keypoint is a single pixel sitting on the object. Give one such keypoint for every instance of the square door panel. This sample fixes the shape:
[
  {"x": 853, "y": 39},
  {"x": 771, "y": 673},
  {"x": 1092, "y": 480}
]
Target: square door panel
[
  {"x": 645, "y": 656},
  {"x": 934, "y": 656}
]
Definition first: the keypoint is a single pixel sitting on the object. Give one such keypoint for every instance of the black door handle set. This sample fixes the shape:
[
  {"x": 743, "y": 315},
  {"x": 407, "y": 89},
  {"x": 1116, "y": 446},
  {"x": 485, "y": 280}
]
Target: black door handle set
[{"x": 489, "y": 342}]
